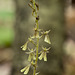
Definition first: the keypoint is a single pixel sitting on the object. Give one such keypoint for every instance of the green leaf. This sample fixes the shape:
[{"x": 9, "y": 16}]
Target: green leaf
[{"x": 47, "y": 39}]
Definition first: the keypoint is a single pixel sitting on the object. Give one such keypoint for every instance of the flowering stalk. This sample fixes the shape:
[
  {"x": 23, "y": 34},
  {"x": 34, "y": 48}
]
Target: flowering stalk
[
  {"x": 34, "y": 53},
  {"x": 37, "y": 47}
]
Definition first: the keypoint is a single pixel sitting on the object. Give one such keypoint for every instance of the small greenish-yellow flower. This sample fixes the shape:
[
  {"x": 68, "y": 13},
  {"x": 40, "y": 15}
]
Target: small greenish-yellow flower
[
  {"x": 31, "y": 55},
  {"x": 44, "y": 54},
  {"x": 36, "y": 34},
  {"x": 26, "y": 69},
  {"x": 47, "y": 39},
  {"x": 24, "y": 47}
]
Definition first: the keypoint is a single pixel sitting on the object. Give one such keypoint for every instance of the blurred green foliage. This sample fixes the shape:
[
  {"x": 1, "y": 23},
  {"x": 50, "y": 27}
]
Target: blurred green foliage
[
  {"x": 6, "y": 26},
  {"x": 6, "y": 15},
  {"x": 6, "y": 36}
]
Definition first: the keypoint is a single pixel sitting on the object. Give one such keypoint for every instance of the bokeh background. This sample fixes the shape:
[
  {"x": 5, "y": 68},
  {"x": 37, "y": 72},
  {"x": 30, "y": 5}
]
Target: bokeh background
[{"x": 16, "y": 25}]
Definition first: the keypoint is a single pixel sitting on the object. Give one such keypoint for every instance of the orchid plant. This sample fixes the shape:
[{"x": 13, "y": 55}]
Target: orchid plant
[{"x": 35, "y": 53}]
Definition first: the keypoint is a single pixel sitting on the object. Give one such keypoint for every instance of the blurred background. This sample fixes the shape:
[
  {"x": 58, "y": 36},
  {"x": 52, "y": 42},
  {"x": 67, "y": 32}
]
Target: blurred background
[{"x": 16, "y": 25}]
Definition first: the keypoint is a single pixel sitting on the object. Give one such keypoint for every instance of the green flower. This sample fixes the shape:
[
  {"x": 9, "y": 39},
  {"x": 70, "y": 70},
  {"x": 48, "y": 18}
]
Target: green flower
[
  {"x": 26, "y": 69},
  {"x": 47, "y": 39},
  {"x": 31, "y": 55},
  {"x": 44, "y": 54}
]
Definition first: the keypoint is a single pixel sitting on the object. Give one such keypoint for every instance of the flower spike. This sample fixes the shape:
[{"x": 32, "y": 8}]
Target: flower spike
[{"x": 35, "y": 53}]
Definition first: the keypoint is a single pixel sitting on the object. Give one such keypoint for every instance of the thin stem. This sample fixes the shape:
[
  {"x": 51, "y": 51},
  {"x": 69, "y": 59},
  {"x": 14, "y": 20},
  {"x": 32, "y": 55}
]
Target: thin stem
[
  {"x": 37, "y": 47},
  {"x": 34, "y": 71}
]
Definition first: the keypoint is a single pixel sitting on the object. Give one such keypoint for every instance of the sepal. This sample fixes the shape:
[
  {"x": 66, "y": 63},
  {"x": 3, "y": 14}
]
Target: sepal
[
  {"x": 24, "y": 47},
  {"x": 47, "y": 39},
  {"x": 26, "y": 69}
]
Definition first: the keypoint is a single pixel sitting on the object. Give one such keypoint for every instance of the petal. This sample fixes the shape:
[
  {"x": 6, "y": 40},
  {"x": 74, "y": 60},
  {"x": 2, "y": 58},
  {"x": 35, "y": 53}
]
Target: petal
[
  {"x": 37, "y": 35},
  {"x": 34, "y": 58},
  {"x": 22, "y": 70},
  {"x": 46, "y": 49},
  {"x": 47, "y": 32},
  {"x": 47, "y": 40},
  {"x": 24, "y": 47},
  {"x": 37, "y": 73},
  {"x": 27, "y": 70},
  {"x": 45, "y": 56},
  {"x": 41, "y": 56},
  {"x": 33, "y": 37},
  {"x": 30, "y": 57}
]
